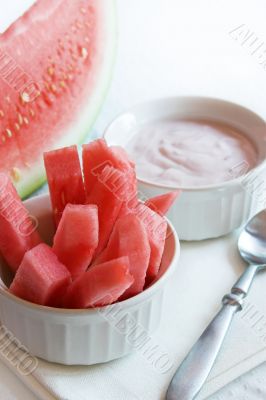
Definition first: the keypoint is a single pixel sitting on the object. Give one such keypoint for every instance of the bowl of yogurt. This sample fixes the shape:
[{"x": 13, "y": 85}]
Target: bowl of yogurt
[{"x": 211, "y": 149}]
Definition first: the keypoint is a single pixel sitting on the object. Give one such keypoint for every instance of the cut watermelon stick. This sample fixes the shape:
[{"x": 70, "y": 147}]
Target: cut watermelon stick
[
  {"x": 18, "y": 229},
  {"x": 97, "y": 155},
  {"x": 156, "y": 227},
  {"x": 108, "y": 193},
  {"x": 129, "y": 238},
  {"x": 101, "y": 285},
  {"x": 77, "y": 237},
  {"x": 161, "y": 204},
  {"x": 64, "y": 179},
  {"x": 41, "y": 278},
  {"x": 128, "y": 167}
]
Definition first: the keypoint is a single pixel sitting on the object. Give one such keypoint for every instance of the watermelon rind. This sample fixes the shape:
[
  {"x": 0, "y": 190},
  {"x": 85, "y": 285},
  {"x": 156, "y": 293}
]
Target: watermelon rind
[{"x": 36, "y": 177}]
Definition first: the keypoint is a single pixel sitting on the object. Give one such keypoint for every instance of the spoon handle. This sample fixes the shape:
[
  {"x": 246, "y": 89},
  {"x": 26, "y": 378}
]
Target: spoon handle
[
  {"x": 244, "y": 283},
  {"x": 194, "y": 370}
]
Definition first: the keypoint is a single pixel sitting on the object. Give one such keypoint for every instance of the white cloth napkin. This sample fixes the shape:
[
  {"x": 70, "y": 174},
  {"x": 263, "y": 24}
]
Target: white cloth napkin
[{"x": 206, "y": 271}]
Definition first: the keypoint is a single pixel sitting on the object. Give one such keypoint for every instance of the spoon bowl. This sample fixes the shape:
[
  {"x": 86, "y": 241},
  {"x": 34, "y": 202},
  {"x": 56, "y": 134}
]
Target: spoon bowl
[{"x": 252, "y": 240}]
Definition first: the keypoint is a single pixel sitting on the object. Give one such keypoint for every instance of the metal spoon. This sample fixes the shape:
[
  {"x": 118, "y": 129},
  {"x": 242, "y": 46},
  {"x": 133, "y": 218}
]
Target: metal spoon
[{"x": 194, "y": 370}]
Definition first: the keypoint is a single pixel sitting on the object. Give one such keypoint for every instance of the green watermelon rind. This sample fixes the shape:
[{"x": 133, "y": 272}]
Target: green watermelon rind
[{"x": 37, "y": 177}]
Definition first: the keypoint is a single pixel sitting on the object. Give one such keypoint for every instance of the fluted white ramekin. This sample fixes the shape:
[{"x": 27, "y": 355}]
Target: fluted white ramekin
[
  {"x": 85, "y": 337},
  {"x": 207, "y": 211}
]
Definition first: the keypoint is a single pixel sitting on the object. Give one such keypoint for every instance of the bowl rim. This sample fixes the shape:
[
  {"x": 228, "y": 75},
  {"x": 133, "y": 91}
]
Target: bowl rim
[
  {"x": 128, "y": 303},
  {"x": 215, "y": 186}
]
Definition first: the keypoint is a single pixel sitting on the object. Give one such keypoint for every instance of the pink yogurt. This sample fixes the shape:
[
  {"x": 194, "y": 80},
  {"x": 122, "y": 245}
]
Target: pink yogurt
[{"x": 190, "y": 153}]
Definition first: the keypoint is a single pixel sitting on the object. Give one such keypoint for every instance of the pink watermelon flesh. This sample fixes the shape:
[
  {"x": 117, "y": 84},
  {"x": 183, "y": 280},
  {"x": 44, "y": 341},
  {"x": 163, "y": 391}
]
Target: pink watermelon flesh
[
  {"x": 128, "y": 167},
  {"x": 120, "y": 154},
  {"x": 161, "y": 204},
  {"x": 64, "y": 179},
  {"x": 108, "y": 194},
  {"x": 41, "y": 278},
  {"x": 101, "y": 285},
  {"x": 17, "y": 227},
  {"x": 156, "y": 227},
  {"x": 77, "y": 237},
  {"x": 129, "y": 238},
  {"x": 55, "y": 64},
  {"x": 97, "y": 155},
  {"x": 112, "y": 167}
]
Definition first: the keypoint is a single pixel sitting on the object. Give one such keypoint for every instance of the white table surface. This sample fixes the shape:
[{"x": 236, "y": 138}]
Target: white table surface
[{"x": 176, "y": 47}]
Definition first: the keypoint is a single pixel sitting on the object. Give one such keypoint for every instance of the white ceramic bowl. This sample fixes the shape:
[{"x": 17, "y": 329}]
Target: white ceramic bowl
[
  {"x": 84, "y": 337},
  {"x": 207, "y": 211}
]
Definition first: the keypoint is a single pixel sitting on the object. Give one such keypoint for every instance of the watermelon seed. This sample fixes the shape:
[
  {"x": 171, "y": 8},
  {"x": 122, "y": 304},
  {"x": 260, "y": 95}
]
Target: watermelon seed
[
  {"x": 62, "y": 84},
  {"x": 32, "y": 113},
  {"x": 15, "y": 174},
  {"x": 26, "y": 120},
  {"x": 53, "y": 88},
  {"x": 2, "y": 114},
  {"x": 37, "y": 94},
  {"x": 9, "y": 133},
  {"x": 50, "y": 71},
  {"x": 84, "y": 53},
  {"x": 20, "y": 119},
  {"x": 25, "y": 98},
  {"x": 17, "y": 126},
  {"x": 83, "y": 10}
]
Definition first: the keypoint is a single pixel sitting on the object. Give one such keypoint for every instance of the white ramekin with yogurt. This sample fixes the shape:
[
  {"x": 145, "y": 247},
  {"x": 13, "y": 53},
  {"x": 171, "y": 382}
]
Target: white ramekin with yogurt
[{"x": 211, "y": 149}]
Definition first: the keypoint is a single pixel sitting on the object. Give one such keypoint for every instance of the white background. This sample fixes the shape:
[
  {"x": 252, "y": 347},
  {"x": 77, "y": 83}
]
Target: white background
[{"x": 173, "y": 47}]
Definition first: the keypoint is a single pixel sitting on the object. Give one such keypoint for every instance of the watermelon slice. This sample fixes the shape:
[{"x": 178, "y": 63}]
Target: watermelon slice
[
  {"x": 41, "y": 278},
  {"x": 108, "y": 194},
  {"x": 161, "y": 204},
  {"x": 129, "y": 238},
  {"x": 156, "y": 227},
  {"x": 110, "y": 182},
  {"x": 18, "y": 229},
  {"x": 77, "y": 237},
  {"x": 55, "y": 64},
  {"x": 101, "y": 285},
  {"x": 97, "y": 155},
  {"x": 64, "y": 179}
]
